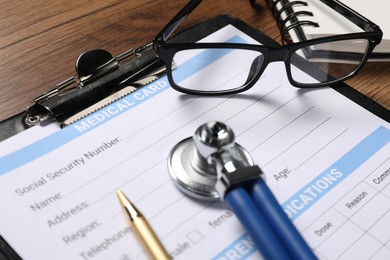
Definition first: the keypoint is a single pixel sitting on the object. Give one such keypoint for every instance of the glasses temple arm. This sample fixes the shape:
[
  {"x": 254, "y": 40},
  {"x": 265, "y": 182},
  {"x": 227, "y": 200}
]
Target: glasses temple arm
[{"x": 177, "y": 20}]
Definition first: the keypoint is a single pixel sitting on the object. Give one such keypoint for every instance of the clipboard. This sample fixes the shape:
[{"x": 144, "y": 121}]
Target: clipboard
[
  {"x": 101, "y": 79},
  {"x": 17, "y": 123}
]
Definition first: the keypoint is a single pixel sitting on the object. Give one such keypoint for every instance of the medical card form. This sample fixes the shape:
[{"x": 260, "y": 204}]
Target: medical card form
[{"x": 325, "y": 158}]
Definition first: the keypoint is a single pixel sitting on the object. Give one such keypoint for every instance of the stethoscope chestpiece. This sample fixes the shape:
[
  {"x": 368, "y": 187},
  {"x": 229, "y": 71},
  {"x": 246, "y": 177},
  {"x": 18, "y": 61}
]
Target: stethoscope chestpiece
[{"x": 195, "y": 163}]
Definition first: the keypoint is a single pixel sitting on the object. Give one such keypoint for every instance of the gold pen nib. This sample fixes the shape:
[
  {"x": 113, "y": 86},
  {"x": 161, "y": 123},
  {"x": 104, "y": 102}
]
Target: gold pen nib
[
  {"x": 143, "y": 230},
  {"x": 132, "y": 210}
]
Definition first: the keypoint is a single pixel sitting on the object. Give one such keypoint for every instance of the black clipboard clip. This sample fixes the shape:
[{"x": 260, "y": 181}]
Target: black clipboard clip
[{"x": 101, "y": 79}]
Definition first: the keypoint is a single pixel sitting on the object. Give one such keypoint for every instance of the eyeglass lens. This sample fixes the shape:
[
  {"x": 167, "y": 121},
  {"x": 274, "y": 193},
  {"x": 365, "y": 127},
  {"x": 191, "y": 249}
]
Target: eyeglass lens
[
  {"x": 336, "y": 59},
  {"x": 191, "y": 73}
]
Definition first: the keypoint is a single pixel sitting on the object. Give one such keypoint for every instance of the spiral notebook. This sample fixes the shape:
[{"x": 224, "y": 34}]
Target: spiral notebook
[{"x": 320, "y": 21}]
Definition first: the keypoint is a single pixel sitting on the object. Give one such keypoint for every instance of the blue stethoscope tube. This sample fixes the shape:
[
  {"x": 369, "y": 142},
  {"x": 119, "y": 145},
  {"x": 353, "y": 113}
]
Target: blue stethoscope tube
[
  {"x": 281, "y": 224},
  {"x": 266, "y": 222},
  {"x": 239, "y": 200}
]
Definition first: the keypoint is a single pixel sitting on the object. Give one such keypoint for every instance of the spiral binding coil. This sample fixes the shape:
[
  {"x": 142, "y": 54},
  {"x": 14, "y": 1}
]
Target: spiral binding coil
[{"x": 291, "y": 17}]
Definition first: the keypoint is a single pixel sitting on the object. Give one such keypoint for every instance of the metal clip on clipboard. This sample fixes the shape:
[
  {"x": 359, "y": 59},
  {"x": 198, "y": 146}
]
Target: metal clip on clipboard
[{"x": 101, "y": 79}]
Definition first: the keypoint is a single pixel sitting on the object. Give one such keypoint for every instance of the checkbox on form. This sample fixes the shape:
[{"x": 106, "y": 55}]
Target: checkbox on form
[{"x": 195, "y": 236}]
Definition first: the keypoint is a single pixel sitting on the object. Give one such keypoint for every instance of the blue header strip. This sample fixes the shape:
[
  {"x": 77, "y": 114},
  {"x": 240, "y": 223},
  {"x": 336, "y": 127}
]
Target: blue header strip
[
  {"x": 67, "y": 134},
  {"x": 242, "y": 248},
  {"x": 336, "y": 173}
]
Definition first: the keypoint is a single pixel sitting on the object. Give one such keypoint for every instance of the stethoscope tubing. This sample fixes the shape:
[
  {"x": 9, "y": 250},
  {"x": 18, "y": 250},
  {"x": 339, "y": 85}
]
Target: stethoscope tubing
[
  {"x": 239, "y": 200},
  {"x": 266, "y": 222},
  {"x": 284, "y": 229}
]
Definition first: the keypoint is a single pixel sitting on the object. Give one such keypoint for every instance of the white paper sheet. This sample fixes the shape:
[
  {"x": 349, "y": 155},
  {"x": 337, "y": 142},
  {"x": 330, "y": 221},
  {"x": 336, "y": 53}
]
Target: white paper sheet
[{"x": 325, "y": 158}]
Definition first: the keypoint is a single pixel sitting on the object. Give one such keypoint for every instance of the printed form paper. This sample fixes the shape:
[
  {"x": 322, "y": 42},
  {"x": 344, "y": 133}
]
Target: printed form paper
[{"x": 325, "y": 158}]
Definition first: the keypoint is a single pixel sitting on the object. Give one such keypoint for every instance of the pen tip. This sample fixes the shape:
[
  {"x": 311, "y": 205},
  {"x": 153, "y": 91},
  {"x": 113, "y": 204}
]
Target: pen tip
[
  {"x": 122, "y": 197},
  {"x": 118, "y": 192},
  {"x": 126, "y": 203}
]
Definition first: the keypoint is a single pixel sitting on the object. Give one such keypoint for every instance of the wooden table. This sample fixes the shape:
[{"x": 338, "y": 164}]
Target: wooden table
[{"x": 40, "y": 40}]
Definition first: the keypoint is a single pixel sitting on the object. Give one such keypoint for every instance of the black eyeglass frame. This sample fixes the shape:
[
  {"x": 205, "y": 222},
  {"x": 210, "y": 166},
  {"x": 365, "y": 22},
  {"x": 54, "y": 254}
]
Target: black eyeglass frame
[{"x": 166, "y": 50}]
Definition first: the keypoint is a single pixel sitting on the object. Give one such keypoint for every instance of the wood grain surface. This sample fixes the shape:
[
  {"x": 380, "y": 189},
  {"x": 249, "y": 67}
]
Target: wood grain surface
[{"x": 40, "y": 40}]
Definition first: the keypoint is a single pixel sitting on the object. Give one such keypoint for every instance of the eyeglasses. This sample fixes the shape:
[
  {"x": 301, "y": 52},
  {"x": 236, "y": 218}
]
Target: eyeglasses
[{"x": 317, "y": 57}]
